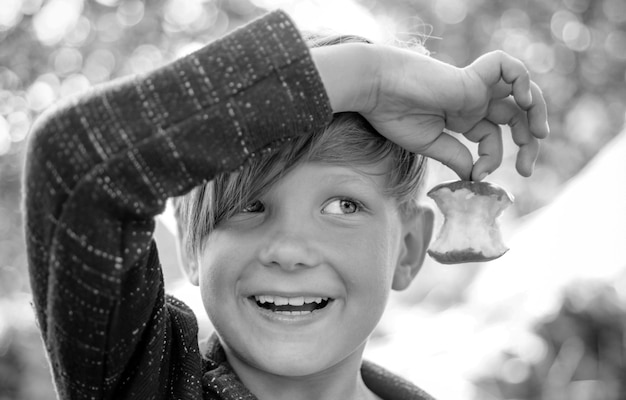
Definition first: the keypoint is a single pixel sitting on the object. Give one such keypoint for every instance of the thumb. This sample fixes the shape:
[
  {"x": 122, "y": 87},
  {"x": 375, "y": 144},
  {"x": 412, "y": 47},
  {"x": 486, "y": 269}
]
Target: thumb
[{"x": 451, "y": 153}]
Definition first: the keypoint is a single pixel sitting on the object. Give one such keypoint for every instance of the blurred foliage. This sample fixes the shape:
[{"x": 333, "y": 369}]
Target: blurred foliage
[
  {"x": 52, "y": 49},
  {"x": 582, "y": 351}
]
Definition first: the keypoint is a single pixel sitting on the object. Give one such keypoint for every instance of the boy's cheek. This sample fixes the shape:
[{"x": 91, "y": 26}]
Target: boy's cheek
[{"x": 217, "y": 267}]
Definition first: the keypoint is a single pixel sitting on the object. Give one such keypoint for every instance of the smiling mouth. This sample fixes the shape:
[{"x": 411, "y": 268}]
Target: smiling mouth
[{"x": 291, "y": 305}]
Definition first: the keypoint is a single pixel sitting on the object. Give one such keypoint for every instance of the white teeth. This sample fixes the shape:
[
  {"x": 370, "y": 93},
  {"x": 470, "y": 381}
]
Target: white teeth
[
  {"x": 293, "y": 301},
  {"x": 296, "y": 301},
  {"x": 280, "y": 301},
  {"x": 295, "y": 312}
]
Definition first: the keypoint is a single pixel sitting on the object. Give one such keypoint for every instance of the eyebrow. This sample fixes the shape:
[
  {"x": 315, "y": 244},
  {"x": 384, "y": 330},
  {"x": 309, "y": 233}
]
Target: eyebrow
[
  {"x": 359, "y": 178},
  {"x": 343, "y": 177}
]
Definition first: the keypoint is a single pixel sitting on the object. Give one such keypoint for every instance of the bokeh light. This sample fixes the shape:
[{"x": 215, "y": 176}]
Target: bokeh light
[
  {"x": 67, "y": 60},
  {"x": 20, "y": 122},
  {"x": 451, "y": 11},
  {"x": 615, "y": 45},
  {"x": 183, "y": 14},
  {"x": 109, "y": 28},
  {"x": 74, "y": 84},
  {"x": 615, "y": 10},
  {"x": 55, "y": 19},
  {"x": 11, "y": 14},
  {"x": 5, "y": 136},
  {"x": 576, "y": 36},
  {"x": 338, "y": 16},
  {"x": 80, "y": 33},
  {"x": 540, "y": 57},
  {"x": 30, "y": 7},
  {"x": 43, "y": 92},
  {"x": 99, "y": 65},
  {"x": 145, "y": 58},
  {"x": 130, "y": 13}
]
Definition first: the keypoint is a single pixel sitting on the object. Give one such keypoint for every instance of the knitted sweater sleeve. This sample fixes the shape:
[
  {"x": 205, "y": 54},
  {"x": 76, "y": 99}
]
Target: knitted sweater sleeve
[{"x": 100, "y": 169}]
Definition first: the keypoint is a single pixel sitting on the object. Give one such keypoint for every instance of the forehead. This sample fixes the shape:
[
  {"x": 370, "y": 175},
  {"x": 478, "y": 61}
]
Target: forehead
[{"x": 372, "y": 176}]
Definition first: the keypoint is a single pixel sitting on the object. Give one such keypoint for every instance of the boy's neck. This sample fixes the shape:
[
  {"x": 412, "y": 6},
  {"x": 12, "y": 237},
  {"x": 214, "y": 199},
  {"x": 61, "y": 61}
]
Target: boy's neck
[{"x": 342, "y": 381}]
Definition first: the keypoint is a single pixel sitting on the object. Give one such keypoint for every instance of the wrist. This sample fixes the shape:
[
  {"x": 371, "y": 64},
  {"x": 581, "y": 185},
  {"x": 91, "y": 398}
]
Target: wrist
[{"x": 349, "y": 74}]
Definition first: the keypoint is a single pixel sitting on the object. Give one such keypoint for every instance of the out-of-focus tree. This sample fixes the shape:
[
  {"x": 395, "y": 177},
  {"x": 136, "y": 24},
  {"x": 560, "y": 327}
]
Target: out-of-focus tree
[{"x": 583, "y": 354}]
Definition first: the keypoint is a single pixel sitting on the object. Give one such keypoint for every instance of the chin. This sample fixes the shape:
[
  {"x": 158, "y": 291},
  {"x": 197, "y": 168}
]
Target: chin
[{"x": 294, "y": 363}]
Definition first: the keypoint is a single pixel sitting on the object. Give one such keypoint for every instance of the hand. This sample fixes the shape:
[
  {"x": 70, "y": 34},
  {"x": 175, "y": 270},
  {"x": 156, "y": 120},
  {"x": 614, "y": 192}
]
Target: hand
[{"x": 412, "y": 99}]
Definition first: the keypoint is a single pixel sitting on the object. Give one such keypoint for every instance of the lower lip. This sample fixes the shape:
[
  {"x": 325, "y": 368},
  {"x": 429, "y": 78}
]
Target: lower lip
[{"x": 287, "y": 318}]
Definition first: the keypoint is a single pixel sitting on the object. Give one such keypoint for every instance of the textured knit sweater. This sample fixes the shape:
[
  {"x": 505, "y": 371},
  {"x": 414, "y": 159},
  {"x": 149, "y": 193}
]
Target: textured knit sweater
[{"x": 101, "y": 167}]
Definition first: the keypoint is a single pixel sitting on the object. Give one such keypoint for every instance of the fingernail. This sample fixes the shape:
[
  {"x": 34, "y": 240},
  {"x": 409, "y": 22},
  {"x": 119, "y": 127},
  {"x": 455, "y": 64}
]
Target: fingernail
[{"x": 482, "y": 176}]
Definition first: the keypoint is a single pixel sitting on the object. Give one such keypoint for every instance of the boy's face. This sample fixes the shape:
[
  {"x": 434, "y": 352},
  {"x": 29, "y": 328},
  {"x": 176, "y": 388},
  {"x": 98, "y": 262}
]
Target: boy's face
[{"x": 325, "y": 239}]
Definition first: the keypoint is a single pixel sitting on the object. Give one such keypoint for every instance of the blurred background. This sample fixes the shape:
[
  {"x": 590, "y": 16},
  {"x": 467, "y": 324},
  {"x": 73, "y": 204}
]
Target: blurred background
[{"x": 545, "y": 321}]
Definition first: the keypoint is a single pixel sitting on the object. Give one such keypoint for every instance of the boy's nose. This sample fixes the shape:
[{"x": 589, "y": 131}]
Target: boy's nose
[{"x": 289, "y": 251}]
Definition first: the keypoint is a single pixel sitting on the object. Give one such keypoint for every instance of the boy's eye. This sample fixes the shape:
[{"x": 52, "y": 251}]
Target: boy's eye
[
  {"x": 254, "y": 207},
  {"x": 341, "y": 206}
]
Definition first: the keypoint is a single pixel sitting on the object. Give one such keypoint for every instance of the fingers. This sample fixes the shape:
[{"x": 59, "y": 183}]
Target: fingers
[
  {"x": 487, "y": 133},
  {"x": 498, "y": 65},
  {"x": 515, "y": 73},
  {"x": 526, "y": 158},
  {"x": 489, "y": 138},
  {"x": 502, "y": 90},
  {"x": 505, "y": 111},
  {"x": 452, "y": 153},
  {"x": 506, "y": 75},
  {"x": 538, "y": 114},
  {"x": 525, "y": 112}
]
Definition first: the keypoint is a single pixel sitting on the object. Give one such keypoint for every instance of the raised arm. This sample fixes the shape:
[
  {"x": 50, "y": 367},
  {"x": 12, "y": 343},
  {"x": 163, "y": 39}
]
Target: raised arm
[{"x": 100, "y": 168}]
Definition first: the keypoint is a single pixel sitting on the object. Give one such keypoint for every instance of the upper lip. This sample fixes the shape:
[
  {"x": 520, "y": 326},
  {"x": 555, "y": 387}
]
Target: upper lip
[
  {"x": 289, "y": 288},
  {"x": 317, "y": 291}
]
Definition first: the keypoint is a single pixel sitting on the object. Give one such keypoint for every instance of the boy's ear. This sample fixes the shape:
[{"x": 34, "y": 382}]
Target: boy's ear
[
  {"x": 417, "y": 232},
  {"x": 188, "y": 262}
]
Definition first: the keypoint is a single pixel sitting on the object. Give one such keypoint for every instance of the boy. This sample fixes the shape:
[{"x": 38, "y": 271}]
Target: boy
[{"x": 100, "y": 169}]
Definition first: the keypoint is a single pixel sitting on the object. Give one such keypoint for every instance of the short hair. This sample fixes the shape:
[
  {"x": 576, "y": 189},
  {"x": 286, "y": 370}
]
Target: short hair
[{"x": 348, "y": 140}]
